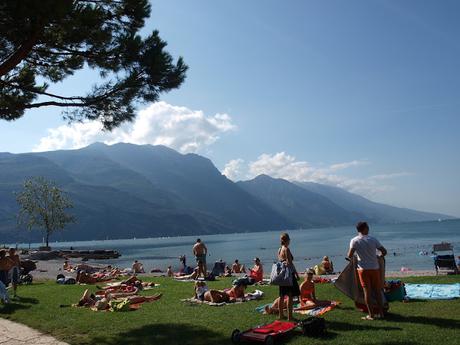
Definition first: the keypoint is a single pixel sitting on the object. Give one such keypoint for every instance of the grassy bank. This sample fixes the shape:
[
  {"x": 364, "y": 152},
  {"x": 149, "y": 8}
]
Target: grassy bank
[{"x": 169, "y": 321}]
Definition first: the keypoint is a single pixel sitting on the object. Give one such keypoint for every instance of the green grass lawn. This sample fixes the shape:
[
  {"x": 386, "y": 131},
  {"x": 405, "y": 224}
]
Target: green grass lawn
[{"x": 169, "y": 321}]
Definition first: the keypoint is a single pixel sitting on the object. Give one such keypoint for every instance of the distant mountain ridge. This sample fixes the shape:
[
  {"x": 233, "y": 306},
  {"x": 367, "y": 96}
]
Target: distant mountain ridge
[{"x": 126, "y": 190}]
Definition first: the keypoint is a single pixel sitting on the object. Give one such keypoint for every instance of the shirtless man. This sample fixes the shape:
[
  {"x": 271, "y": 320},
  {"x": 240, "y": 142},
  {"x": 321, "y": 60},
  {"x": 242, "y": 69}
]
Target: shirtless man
[
  {"x": 200, "y": 251},
  {"x": 14, "y": 271},
  {"x": 238, "y": 268},
  {"x": 138, "y": 267}
]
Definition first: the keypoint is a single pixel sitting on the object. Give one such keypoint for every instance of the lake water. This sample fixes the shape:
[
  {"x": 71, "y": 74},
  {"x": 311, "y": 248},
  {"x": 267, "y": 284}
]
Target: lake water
[{"x": 403, "y": 242}]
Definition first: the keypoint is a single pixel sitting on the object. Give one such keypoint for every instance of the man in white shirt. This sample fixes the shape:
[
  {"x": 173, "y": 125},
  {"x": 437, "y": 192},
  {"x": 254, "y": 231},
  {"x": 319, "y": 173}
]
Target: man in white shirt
[{"x": 365, "y": 247}]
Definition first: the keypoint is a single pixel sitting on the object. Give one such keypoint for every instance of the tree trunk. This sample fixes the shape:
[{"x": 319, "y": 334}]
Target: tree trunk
[{"x": 47, "y": 238}]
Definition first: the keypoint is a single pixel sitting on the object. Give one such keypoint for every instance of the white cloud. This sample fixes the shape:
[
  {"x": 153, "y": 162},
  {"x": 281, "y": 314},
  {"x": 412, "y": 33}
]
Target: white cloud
[
  {"x": 161, "y": 123},
  {"x": 280, "y": 165},
  {"x": 346, "y": 165},
  {"x": 233, "y": 169},
  {"x": 283, "y": 165}
]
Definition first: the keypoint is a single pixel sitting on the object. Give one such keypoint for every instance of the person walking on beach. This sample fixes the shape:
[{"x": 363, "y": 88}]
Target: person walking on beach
[
  {"x": 285, "y": 256},
  {"x": 365, "y": 247},
  {"x": 200, "y": 251},
  {"x": 14, "y": 271}
]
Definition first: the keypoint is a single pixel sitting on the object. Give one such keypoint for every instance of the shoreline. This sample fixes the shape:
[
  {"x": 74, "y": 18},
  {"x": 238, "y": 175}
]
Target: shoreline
[
  {"x": 67, "y": 243},
  {"x": 49, "y": 269}
]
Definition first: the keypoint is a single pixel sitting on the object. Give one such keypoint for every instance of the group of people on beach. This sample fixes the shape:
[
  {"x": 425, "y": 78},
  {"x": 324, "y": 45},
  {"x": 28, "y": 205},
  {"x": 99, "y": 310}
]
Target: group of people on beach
[{"x": 363, "y": 246}]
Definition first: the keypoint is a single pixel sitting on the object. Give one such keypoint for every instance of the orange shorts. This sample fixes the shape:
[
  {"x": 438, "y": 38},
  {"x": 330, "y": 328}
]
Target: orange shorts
[{"x": 370, "y": 278}]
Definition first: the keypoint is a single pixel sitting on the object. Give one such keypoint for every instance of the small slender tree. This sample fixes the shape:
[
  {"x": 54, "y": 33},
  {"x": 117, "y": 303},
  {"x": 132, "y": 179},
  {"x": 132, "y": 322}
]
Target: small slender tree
[{"x": 43, "y": 205}]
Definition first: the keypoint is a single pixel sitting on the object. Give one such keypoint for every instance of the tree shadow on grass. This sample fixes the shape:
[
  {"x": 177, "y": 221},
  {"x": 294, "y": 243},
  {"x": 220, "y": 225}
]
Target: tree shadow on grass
[
  {"x": 171, "y": 334},
  {"x": 17, "y": 303},
  {"x": 425, "y": 320},
  {"x": 345, "y": 326},
  {"x": 28, "y": 300},
  {"x": 397, "y": 342}
]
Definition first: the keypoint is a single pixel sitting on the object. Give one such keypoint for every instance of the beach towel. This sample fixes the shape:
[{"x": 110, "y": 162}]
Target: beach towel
[
  {"x": 348, "y": 282},
  {"x": 256, "y": 295},
  {"x": 318, "y": 311},
  {"x": 433, "y": 291}
]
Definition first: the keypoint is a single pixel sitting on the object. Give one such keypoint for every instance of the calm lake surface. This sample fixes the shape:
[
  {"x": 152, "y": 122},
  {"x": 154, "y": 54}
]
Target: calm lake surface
[{"x": 403, "y": 241}]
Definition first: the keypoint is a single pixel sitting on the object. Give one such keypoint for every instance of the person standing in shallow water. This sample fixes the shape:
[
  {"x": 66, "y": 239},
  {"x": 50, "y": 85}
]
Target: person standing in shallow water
[
  {"x": 285, "y": 256},
  {"x": 200, "y": 251}
]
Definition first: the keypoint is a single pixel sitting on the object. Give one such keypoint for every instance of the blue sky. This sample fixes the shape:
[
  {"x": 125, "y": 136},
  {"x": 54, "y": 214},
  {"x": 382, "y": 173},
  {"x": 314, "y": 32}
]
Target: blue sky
[{"x": 304, "y": 86}]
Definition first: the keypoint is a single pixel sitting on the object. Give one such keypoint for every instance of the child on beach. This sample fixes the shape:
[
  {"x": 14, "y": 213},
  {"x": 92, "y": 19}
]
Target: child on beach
[{"x": 169, "y": 272}]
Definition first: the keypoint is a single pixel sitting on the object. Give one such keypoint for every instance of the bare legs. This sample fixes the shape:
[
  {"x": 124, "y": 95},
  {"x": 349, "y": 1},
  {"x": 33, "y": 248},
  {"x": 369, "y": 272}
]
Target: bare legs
[
  {"x": 367, "y": 299},
  {"x": 289, "y": 306}
]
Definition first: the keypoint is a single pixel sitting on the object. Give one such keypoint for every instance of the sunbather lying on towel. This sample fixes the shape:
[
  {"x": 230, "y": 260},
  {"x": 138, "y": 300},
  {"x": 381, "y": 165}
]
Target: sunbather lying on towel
[
  {"x": 101, "y": 302},
  {"x": 229, "y": 295},
  {"x": 93, "y": 278},
  {"x": 132, "y": 281},
  {"x": 192, "y": 276}
]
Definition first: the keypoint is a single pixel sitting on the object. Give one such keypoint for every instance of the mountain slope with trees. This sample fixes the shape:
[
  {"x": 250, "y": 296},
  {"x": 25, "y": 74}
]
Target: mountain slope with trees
[{"x": 126, "y": 190}]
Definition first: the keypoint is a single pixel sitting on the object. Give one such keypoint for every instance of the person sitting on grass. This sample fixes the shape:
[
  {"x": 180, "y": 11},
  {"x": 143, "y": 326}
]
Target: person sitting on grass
[
  {"x": 238, "y": 268},
  {"x": 257, "y": 272},
  {"x": 67, "y": 266},
  {"x": 307, "y": 293},
  {"x": 228, "y": 271},
  {"x": 327, "y": 265},
  {"x": 138, "y": 267},
  {"x": 169, "y": 272},
  {"x": 229, "y": 295}
]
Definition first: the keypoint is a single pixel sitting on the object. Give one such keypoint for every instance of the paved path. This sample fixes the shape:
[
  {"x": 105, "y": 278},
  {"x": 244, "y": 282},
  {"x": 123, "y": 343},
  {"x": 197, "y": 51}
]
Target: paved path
[{"x": 12, "y": 333}]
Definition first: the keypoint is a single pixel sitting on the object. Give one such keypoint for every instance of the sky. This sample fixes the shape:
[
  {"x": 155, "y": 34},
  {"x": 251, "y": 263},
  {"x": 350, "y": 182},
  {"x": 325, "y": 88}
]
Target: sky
[{"x": 363, "y": 95}]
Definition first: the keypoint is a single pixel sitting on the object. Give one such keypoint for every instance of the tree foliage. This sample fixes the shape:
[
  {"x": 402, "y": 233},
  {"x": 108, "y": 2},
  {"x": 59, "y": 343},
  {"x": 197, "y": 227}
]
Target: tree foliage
[
  {"x": 45, "y": 41},
  {"x": 43, "y": 205}
]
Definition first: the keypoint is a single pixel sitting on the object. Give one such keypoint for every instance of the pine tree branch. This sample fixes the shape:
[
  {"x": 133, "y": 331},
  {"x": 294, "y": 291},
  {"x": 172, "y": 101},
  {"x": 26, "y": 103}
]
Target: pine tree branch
[{"x": 20, "y": 54}]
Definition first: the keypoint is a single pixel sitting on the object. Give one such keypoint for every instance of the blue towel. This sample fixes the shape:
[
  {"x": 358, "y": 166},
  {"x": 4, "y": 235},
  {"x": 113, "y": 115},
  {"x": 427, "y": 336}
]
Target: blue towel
[{"x": 433, "y": 291}]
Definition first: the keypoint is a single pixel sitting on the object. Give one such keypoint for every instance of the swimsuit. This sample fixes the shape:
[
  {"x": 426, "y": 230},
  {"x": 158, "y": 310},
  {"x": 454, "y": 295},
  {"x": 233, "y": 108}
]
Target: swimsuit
[
  {"x": 200, "y": 291},
  {"x": 201, "y": 257}
]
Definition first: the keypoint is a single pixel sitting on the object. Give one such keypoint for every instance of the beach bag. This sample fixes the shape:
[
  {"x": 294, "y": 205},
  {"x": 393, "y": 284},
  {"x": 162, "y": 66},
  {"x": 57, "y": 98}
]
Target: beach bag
[{"x": 281, "y": 275}]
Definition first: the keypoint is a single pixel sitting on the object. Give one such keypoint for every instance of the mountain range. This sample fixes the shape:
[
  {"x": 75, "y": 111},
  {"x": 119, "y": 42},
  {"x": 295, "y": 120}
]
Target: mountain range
[{"x": 127, "y": 190}]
